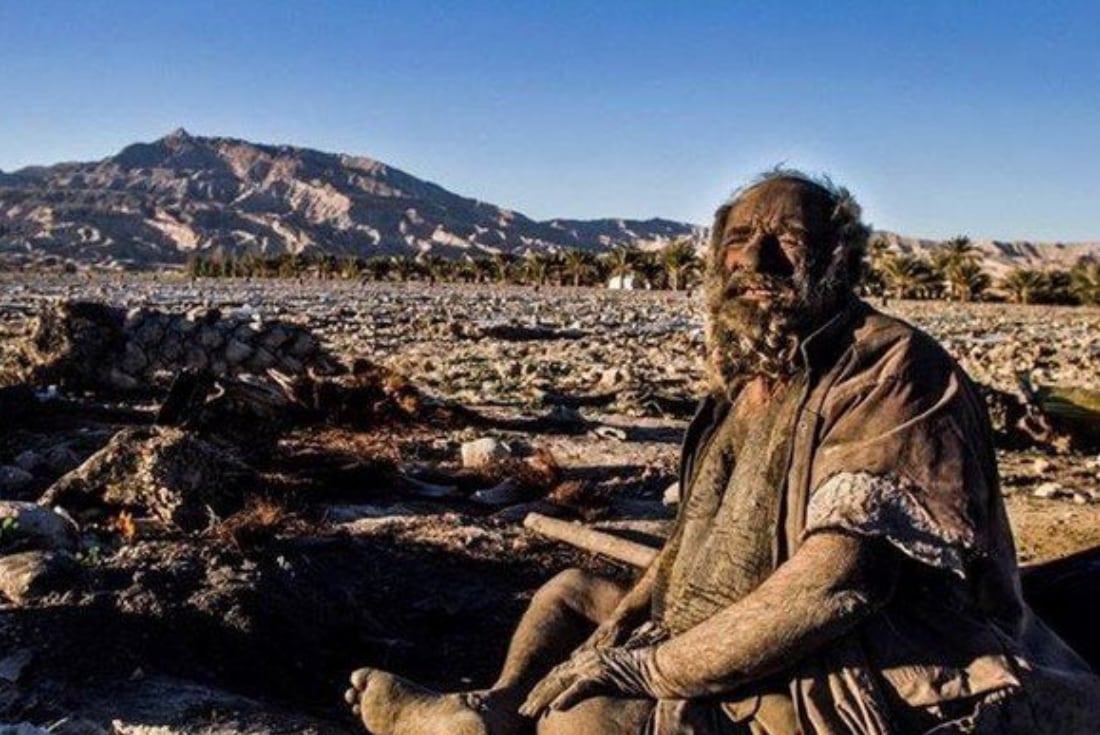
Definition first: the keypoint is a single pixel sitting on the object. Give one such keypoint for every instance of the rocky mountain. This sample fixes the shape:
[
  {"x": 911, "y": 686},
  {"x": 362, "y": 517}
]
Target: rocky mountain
[{"x": 156, "y": 203}]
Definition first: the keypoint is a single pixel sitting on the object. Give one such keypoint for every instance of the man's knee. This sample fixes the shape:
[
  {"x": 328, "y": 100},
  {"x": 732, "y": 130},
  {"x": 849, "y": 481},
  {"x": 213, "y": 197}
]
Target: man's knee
[
  {"x": 586, "y": 594},
  {"x": 598, "y": 716},
  {"x": 565, "y": 588}
]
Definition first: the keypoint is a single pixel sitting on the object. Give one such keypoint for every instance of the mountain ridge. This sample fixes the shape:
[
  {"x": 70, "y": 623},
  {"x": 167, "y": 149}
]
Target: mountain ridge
[{"x": 156, "y": 203}]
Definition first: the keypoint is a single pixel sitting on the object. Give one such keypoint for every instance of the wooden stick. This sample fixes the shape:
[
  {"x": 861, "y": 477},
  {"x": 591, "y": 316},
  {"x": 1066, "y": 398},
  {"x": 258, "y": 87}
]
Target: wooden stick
[{"x": 589, "y": 539}]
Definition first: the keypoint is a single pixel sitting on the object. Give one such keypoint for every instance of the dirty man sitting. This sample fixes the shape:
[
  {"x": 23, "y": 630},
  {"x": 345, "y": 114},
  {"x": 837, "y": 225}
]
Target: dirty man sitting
[{"x": 842, "y": 560}]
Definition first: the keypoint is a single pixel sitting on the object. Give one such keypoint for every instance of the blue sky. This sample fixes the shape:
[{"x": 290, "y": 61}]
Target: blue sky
[{"x": 942, "y": 117}]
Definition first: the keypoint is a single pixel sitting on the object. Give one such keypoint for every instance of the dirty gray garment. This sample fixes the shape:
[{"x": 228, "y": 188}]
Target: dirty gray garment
[{"x": 727, "y": 547}]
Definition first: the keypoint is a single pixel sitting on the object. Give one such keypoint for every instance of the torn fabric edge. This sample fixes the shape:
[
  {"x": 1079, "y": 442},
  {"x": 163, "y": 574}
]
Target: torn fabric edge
[{"x": 887, "y": 507}]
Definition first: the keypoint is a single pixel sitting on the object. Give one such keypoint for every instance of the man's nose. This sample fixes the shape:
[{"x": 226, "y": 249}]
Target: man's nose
[{"x": 763, "y": 255}]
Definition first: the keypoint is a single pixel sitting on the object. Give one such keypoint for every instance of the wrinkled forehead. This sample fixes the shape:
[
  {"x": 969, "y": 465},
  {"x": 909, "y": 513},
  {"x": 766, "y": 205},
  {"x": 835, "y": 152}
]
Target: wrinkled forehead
[{"x": 775, "y": 202}]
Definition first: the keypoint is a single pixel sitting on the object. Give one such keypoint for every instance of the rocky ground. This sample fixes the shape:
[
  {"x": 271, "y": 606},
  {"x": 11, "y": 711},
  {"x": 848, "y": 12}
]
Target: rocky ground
[{"x": 378, "y": 522}]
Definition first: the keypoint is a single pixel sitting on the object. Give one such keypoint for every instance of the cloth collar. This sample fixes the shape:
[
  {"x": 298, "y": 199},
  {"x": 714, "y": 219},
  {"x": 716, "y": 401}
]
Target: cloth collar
[{"x": 824, "y": 343}]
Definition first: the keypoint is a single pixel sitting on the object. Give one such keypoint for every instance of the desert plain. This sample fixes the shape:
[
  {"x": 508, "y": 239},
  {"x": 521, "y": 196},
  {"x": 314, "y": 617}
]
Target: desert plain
[{"x": 381, "y": 543}]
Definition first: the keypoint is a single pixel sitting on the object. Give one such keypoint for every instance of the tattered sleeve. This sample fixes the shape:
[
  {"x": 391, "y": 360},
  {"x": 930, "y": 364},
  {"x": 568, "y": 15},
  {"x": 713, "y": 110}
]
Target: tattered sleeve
[{"x": 904, "y": 458}]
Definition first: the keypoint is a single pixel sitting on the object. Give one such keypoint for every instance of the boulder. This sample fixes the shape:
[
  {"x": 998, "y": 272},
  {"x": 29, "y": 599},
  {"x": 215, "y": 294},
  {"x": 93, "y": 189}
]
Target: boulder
[
  {"x": 27, "y": 526},
  {"x": 179, "y": 477}
]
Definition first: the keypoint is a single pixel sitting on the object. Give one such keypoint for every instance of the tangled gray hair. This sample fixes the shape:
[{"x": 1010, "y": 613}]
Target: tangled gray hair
[
  {"x": 848, "y": 230},
  {"x": 744, "y": 341}
]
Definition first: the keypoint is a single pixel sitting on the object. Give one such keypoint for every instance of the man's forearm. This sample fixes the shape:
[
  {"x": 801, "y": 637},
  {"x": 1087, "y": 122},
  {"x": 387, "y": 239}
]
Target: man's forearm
[{"x": 831, "y": 584}]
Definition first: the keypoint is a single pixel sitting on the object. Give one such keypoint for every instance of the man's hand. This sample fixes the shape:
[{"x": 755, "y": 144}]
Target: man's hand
[
  {"x": 610, "y": 633},
  {"x": 621, "y": 671}
]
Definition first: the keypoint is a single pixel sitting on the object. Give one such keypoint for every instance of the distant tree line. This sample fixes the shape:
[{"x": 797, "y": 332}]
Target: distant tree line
[
  {"x": 675, "y": 267},
  {"x": 951, "y": 271}
]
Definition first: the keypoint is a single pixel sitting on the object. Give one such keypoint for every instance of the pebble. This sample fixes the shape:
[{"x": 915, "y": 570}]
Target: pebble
[
  {"x": 1051, "y": 491},
  {"x": 671, "y": 495},
  {"x": 484, "y": 451}
]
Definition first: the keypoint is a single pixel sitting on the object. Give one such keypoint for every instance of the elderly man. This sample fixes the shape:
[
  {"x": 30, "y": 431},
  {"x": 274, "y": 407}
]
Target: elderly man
[{"x": 842, "y": 561}]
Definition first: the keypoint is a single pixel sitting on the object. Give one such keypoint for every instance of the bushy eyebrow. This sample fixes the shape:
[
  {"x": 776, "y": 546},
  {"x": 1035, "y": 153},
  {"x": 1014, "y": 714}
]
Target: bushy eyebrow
[{"x": 738, "y": 232}]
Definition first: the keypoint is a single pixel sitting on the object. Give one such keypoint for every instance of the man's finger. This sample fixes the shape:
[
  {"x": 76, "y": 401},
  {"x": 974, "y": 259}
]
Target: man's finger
[
  {"x": 578, "y": 691},
  {"x": 544, "y": 692}
]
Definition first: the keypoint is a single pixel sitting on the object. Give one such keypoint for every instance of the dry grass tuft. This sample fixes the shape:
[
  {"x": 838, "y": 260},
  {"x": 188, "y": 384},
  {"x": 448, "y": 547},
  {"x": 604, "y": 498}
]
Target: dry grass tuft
[
  {"x": 260, "y": 522},
  {"x": 585, "y": 498}
]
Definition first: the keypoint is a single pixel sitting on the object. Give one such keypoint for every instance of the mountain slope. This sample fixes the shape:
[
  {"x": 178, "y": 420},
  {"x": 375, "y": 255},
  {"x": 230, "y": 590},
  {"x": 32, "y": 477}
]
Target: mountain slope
[{"x": 155, "y": 203}]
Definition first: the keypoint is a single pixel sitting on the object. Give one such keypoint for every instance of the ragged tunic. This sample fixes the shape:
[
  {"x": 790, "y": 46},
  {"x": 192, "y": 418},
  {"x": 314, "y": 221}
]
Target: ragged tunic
[
  {"x": 725, "y": 546},
  {"x": 883, "y": 437}
]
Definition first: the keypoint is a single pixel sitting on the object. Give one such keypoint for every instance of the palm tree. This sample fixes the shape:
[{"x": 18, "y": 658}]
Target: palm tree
[
  {"x": 1085, "y": 282},
  {"x": 433, "y": 266},
  {"x": 966, "y": 279},
  {"x": 484, "y": 269},
  {"x": 377, "y": 268},
  {"x": 502, "y": 266},
  {"x": 680, "y": 262},
  {"x": 908, "y": 276},
  {"x": 1026, "y": 285},
  {"x": 536, "y": 268},
  {"x": 873, "y": 281},
  {"x": 621, "y": 262},
  {"x": 954, "y": 262},
  {"x": 405, "y": 267},
  {"x": 578, "y": 265}
]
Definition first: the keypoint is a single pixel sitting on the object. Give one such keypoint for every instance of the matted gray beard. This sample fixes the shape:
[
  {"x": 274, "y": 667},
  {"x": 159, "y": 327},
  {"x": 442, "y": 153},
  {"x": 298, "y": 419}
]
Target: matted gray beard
[{"x": 745, "y": 340}]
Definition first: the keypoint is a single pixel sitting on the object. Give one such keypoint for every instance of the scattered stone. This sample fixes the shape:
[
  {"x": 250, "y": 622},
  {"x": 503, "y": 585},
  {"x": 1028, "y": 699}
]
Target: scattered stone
[
  {"x": 29, "y": 460},
  {"x": 23, "y": 728},
  {"x": 61, "y": 459},
  {"x": 1051, "y": 491},
  {"x": 27, "y": 526},
  {"x": 13, "y": 665},
  {"x": 172, "y": 474},
  {"x": 610, "y": 432},
  {"x": 13, "y": 479},
  {"x": 1041, "y": 466},
  {"x": 671, "y": 495},
  {"x": 31, "y": 574},
  {"x": 484, "y": 452}
]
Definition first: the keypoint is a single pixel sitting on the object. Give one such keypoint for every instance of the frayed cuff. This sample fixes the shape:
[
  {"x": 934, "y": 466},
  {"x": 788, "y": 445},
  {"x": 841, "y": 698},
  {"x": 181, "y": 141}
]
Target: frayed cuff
[{"x": 889, "y": 508}]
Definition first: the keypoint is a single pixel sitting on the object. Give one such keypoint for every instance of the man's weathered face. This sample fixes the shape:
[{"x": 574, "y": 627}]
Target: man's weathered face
[{"x": 772, "y": 277}]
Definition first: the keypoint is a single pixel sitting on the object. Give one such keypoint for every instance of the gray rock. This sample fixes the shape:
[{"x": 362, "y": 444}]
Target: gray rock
[
  {"x": 32, "y": 527},
  {"x": 13, "y": 479},
  {"x": 13, "y": 665},
  {"x": 484, "y": 451},
  {"x": 175, "y": 475},
  {"x": 61, "y": 459},
  {"x": 133, "y": 359},
  {"x": 236, "y": 352},
  {"x": 32, "y": 574},
  {"x": 29, "y": 460}
]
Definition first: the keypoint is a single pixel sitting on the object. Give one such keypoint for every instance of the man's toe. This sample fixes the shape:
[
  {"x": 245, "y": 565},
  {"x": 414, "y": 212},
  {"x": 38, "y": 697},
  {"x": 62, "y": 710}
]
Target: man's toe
[{"x": 359, "y": 679}]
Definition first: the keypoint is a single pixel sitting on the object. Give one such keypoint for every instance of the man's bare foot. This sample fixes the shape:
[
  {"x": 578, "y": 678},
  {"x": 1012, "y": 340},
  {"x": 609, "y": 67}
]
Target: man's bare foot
[{"x": 390, "y": 705}]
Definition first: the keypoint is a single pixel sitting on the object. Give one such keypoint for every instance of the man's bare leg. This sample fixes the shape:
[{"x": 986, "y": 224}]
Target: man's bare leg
[
  {"x": 561, "y": 615},
  {"x": 600, "y": 716}
]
